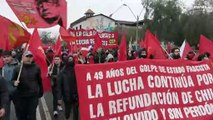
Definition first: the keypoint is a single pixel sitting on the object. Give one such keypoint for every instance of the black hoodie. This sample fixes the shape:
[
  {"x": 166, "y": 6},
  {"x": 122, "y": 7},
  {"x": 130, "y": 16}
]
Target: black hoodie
[
  {"x": 30, "y": 81},
  {"x": 67, "y": 86}
]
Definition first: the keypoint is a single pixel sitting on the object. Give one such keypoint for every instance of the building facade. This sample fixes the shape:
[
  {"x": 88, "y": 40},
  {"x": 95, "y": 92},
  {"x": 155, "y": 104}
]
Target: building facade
[{"x": 100, "y": 22}]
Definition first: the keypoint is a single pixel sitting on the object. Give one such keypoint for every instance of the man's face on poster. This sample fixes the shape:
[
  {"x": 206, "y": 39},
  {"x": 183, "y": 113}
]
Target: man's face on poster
[{"x": 48, "y": 10}]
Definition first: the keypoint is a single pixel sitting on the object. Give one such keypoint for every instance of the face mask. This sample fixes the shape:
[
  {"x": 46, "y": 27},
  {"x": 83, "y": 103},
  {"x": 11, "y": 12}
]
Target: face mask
[
  {"x": 143, "y": 56},
  {"x": 176, "y": 56}
]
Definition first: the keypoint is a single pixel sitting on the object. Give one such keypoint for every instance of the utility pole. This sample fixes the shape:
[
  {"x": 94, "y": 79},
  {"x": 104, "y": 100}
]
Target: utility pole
[
  {"x": 137, "y": 21},
  {"x": 136, "y": 38}
]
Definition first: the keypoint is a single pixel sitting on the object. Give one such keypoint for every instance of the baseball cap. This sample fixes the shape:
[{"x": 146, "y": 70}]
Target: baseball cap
[{"x": 28, "y": 53}]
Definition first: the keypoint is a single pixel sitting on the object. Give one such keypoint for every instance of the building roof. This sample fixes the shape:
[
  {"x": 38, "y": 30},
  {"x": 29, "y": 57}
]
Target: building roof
[
  {"x": 84, "y": 18},
  {"x": 89, "y": 11},
  {"x": 122, "y": 22},
  {"x": 119, "y": 22}
]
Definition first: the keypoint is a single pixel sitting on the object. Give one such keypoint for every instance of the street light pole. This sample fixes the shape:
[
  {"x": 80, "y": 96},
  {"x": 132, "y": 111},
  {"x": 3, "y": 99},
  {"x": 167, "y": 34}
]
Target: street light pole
[
  {"x": 137, "y": 21},
  {"x": 137, "y": 24},
  {"x": 136, "y": 38}
]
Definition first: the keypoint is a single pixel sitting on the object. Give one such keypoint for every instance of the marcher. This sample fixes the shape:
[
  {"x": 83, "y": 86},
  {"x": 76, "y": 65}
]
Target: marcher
[
  {"x": 4, "y": 97},
  {"x": 53, "y": 71},
  {"x": 142, "y": 53},
  {"x": 90, "y": 58},
  {"x": 109, "y": 58},
  {"x": 190, "y": 55},
  {"x": 7, "y": 71},
  {"x": 67, "y": 88},
  {"x": 204, "y": 56},
  {"x": 29, "y": 88},
  {"x": 175, "y": 53}
]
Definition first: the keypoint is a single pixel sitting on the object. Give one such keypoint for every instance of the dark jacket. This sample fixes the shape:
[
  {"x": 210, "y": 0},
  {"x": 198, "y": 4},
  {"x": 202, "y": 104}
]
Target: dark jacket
[
  {"x": 4, "y": 95},
  {"x": 67, "y": 86},
  {"x": 30, "y": 81},
  {"x": 53, "y": 71}
]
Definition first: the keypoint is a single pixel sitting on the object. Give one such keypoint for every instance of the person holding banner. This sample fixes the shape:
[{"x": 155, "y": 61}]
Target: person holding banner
[
  {"x": 28, "y": 82},
  {"x": 142, "y": 53},
  {"x": 67, "y": 88},
  {"x": 90, "y": 58},
  {"x": 49, "y": 10},
  {"x": 175, "y": 53},
  {"x": 190, "y": 55}
]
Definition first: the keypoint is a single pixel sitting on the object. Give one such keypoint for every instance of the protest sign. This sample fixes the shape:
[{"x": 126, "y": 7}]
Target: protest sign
[
  {"x": 146, "y": 90},
  {"x": 85, "y": 38}
]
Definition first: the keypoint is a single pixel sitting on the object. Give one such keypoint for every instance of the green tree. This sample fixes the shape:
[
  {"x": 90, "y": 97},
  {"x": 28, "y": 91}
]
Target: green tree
[
  {"x": 165, "y": 20},
  {"x": 46, "y": 37},
  {"x": 198, "y": 21}
]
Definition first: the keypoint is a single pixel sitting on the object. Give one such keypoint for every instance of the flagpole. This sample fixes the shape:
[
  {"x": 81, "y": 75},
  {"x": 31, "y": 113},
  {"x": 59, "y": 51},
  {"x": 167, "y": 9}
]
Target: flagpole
[
  {"x": 166, "y": 52},
  {"x": 20, "y": 70},
  {"x": 26, "y": 49}
]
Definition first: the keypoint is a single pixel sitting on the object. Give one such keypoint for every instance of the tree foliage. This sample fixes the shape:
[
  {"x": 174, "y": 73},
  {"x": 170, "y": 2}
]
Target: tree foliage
[
  {"x": 168, "y": 20},
  {"x": 46, "y": 37}
]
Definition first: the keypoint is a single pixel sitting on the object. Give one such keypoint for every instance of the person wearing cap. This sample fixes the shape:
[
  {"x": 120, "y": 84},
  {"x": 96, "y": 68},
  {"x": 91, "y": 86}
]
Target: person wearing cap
[
  {"x": 67, "y": 88},
  {"x": 28, "y": 88},
  {"x": 7, "y": 71},
  {"x": 110, "y": 58}
]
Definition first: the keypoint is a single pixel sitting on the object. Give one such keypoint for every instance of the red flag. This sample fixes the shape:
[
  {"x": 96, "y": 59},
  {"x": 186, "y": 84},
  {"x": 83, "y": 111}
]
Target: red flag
[
  {"x": 12, "y": 34},
  {"x": 4, "y": 45},
  {"x": 98, "y": 43},
  {"x": 73, "y": 48},
  {"x": 153, "y": 46},
  {"x": 63, "y": 32},
  {"x": 66, "y": 36},
  {"x": 205, "y": 45},
  {"x": 142, "y": 44},
  {"x": 35, "y": 46},
  {"x": 40, "y": 13},
  {"x": 169, "y": 47},
  {"x": 122, "y": 56},
  {"x": 185, "y": 49},
  {"x": 57, "y": 47},
  {"x": 7, "y": 47},
  {"x": 70, "y": 40}
]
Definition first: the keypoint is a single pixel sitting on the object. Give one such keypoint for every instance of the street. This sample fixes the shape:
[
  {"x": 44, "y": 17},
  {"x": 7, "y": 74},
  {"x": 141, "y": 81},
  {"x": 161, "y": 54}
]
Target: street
[{"x": 44, "y": 110}]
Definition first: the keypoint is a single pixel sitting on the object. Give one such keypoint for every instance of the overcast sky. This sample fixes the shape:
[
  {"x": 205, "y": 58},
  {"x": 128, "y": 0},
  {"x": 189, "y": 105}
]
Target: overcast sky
[{"x": 77, "y": 8}]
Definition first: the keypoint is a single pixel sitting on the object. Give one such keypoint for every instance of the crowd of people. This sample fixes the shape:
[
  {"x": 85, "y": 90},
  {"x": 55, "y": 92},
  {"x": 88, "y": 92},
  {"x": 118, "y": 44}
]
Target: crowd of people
[{"x": 21, "y": 82}]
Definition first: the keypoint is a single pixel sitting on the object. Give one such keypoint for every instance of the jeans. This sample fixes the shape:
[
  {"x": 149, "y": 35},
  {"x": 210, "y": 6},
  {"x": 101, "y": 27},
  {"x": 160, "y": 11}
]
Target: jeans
[{"x": 26, "y": 107}]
